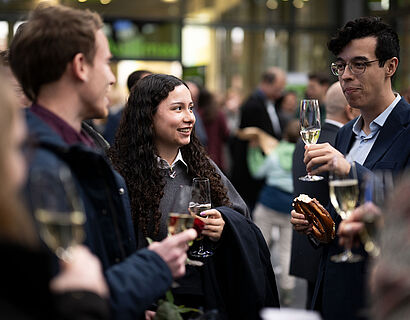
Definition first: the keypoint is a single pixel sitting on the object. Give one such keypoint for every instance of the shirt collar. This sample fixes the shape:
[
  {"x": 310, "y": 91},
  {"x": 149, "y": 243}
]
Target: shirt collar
[
  {"x": 163, "y": 164},
  {"x": 334, "y": 122},
  {"x": 377, "y": 123},
  {"x": 61, "y": 127}
]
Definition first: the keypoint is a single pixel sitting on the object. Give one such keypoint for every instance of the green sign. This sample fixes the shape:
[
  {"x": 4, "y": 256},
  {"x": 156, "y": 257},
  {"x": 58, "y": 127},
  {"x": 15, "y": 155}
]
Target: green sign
[{"x": 144, "y": 40}]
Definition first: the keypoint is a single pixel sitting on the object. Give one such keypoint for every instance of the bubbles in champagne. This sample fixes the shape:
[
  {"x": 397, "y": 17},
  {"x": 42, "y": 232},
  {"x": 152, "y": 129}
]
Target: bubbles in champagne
[
  {"x": 197, "y": 208},
  {"x": 344, "y": 195},
  {"x": 310, "y": 136},
  {"x": 61, "y": 230},
  {"x": 178, "y": 222}
]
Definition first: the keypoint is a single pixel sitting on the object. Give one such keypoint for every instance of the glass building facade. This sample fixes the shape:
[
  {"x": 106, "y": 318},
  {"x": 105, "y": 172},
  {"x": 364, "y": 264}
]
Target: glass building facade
[{"x": 229, "y": 43}]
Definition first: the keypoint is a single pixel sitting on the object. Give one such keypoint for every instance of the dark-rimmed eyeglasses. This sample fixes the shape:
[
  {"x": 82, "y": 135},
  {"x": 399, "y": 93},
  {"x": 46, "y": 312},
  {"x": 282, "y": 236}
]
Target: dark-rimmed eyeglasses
[{"x": 356, "y": 67}]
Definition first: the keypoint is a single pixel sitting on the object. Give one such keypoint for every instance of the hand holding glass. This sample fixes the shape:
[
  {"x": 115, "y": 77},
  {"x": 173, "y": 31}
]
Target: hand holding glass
[
  {"x": 344, "y": 195},
  {"x": 376, "y": 188}
]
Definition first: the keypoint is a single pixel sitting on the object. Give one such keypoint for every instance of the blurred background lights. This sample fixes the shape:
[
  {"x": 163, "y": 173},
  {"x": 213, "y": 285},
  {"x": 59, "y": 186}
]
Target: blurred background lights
[
  {"x": 237, "y": 35},
  {"x": 298, "y": 4},
  {"x": 272, "y": 4},
  {"x": 105, "y": 1}
]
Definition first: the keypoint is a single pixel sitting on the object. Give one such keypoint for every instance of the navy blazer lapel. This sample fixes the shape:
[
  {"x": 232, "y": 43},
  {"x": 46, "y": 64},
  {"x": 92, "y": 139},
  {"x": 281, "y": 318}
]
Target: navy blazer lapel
[
  {"x": 391, "y": 129},
  {"x": 346, "y": 141}
]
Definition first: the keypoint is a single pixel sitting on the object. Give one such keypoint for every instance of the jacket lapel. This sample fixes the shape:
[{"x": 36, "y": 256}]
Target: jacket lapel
[
  {"x": 391, "y": 129},
  {"x": 346, "y": 142}
]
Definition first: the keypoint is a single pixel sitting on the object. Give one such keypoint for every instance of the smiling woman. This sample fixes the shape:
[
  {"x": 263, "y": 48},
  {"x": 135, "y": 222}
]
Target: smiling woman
[
  {"x": 158, "y": 122},
  {"x": 173, "y": 123},
  {"x": 156, "y": 151}
]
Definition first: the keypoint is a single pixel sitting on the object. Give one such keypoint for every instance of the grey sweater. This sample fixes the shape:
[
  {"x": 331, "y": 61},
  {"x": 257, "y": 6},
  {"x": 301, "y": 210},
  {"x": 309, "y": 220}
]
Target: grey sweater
[{"x": 183, "y": 178}]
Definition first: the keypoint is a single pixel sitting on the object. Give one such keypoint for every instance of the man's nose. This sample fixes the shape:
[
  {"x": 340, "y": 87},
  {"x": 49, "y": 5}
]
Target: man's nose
[{"x": 347, "y": 73}]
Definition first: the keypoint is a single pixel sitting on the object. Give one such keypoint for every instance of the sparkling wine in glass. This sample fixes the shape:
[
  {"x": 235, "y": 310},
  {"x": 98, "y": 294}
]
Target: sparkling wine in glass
[
  {"x": 58, "y": 210},
  {"x": 200, "y": 202},
  {"x": 344, "y": 195},
  {"x": 179, "y": 217},
  {"x": 310, "y": 128},
  {"x": 377, "y": 186}
]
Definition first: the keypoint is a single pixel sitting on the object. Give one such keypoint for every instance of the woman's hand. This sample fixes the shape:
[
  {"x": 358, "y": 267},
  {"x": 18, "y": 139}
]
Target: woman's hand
[{"x": 214, "y": 224}]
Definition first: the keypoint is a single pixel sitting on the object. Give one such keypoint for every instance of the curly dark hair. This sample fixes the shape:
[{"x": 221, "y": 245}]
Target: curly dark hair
[
  {"x": 134, "y": 152},
  {"x": 387, "y": 47}
]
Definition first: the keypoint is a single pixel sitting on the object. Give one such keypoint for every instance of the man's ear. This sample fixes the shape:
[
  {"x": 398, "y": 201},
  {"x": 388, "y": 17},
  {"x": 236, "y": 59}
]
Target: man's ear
[
  {"x": 391, "y": 66},
  {"x": 350, "y": 113},
  {"x": 80, "y": 67}
]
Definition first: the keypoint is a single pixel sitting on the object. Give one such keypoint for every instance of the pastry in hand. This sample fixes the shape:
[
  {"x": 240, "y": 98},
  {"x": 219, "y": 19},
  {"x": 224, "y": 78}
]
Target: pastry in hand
[{"x": 317, "y": 215}]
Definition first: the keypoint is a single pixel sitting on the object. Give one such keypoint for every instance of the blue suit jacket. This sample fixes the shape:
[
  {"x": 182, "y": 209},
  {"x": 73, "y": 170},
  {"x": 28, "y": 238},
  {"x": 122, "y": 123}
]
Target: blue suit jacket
[
  {"x": 135, "y": 279},
  {"x": 341, "y": 287}
]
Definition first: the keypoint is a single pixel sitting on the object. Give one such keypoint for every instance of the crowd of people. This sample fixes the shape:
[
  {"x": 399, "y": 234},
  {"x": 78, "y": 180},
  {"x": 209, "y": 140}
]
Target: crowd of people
[{"x": 127, "y": 167}]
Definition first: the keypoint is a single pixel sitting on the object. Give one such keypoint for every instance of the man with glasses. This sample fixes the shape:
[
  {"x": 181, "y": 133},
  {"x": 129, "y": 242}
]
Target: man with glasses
[{"x": 367, "y": 57}]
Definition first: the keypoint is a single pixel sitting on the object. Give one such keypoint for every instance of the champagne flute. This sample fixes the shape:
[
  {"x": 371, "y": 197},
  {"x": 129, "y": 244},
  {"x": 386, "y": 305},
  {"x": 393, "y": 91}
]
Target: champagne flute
[
  {"x": 376, "y": 188},
  {"x": 344, "y": 195},
  {"x": 310, "y": 128},
  {"x": 58, "y": 210},
  {"x": 179, "y": 217},
  {"x": 200, "y": 202}
]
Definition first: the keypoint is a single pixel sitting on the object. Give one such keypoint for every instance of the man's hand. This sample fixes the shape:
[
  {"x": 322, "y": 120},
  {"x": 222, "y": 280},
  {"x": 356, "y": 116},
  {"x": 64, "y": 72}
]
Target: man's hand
[
  {"x": 82, "y": 272},
  {"x": 327, "y": 157},
  {"x": 214, "y": 224},
  {"x": 349, "y": 229},
  {"x": 300, "y": 224},
  {"x": 149, "y": 315},
  {"x": 173, "y": 251}
]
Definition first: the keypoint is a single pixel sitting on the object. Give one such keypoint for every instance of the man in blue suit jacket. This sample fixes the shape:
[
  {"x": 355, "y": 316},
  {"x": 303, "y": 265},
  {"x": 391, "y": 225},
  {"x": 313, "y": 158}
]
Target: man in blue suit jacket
[{"x": 367, "y": 56}]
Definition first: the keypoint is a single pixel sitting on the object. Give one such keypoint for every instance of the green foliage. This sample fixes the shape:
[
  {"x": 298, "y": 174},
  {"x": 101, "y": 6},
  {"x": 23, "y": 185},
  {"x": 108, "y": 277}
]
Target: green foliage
[{"x": 167, "y": 310}]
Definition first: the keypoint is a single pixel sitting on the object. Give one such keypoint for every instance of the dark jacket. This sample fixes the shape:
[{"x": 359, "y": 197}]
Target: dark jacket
[
  {"x": 25, "y": 292},
  {"x": 239, "y": 279},
  {"x": 253, "y": 114},
  {"x": 135, "y": 279},
  {"x": 304, "y": 261},
  {"x": 341, "y": 287}
]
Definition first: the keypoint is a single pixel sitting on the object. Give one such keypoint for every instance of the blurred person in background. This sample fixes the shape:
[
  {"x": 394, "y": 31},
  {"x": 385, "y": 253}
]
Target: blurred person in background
[
  {"x": 367, "y": 54},
  {"x": 275, "y": 200},
  {"x": 68, "y": 81},
  {"x": 23, "y": 101},
  {"x": 389, "y": 285},
  {"x": 28, "y": 289},
  {"x": 259, "y": 110},
  {"x": 159, "y": 155},
  {"x": 114, "y": 118},
  {"x": 317, "y": 86},
  {"x": 306, "y": 256},
  {"x": 288, "y": 104},
  {"x": 233, "y": 101},
  {"x": 216, "y": 127},
  {"x": 199, "y": 125},
  {"x": 406, "y": 94}
]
